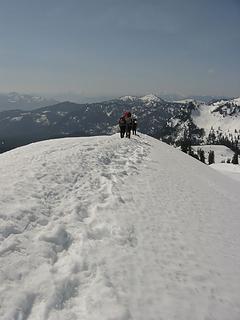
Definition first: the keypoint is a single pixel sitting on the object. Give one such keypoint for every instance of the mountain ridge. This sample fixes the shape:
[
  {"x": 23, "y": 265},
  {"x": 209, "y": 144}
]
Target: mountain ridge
[{"x": 169, "y": 121}]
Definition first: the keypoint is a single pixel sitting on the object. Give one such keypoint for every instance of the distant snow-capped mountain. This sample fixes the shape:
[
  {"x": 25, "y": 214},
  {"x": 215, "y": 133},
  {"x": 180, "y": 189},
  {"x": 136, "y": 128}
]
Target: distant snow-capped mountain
[
  {"x": 218, "y": 120},
  {"x": 149, "y": 99},
  {"x": 14, "y": 100},
  {"x": 128, "y": 98}
]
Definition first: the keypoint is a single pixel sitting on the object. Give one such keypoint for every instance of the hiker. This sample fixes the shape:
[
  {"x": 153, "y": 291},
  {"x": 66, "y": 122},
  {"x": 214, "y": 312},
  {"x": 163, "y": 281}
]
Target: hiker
[
  {"x": 134, "y": 126},
  {"x": 122, "y": 126},
  {"x": 128, "y": 119}
]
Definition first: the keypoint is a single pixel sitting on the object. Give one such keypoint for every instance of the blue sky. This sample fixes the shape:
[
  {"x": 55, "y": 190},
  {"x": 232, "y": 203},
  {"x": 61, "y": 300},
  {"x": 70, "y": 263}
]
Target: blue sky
[{"x": 111, "y": 47}]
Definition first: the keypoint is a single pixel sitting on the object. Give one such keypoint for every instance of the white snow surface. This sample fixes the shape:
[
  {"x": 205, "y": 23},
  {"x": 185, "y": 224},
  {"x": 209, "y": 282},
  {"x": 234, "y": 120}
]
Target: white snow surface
[
  {"x": 104, "y": 228},
  {"x": 236, "y": 101},
  {"x": 229, "y": 169}
]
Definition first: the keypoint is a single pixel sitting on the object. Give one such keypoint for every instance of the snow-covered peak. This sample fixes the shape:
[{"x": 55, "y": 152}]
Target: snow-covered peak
[
  {"x": 104, "y": 228},
  {"x": 150, "y": 98},
  {"x": 128, "y": 98},
  {"x": 235, "y": 101}
]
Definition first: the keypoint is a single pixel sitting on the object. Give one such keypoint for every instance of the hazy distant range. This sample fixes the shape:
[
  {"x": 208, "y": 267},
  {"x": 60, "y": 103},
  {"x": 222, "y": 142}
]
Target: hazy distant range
[{"x": 14, "y": 100}]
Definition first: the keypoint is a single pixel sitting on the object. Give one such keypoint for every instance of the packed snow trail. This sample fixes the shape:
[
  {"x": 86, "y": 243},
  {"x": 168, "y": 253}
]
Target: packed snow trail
[{"x": 104, "y": 228}]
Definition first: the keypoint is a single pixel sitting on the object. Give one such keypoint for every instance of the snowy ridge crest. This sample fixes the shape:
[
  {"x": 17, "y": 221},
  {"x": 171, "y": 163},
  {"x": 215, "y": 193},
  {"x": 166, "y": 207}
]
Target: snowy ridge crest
[
  {"x": 128, "y": 98},
  {"x": 151, "y": 98},
  {"x": 98, "y": 227},
  {"x": 148, "y": 99}
]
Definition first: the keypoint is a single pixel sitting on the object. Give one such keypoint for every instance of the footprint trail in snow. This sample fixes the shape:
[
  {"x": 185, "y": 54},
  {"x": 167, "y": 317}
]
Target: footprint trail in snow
[
  {"x": 64, "y": 208},
  {"x": 104, "y": 228}
]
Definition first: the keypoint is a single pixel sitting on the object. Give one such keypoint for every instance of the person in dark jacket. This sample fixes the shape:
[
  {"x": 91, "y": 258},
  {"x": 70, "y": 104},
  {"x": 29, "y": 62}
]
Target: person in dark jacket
[
  {"x": 128, "y": 119},
  {"x": 122, "y": 126},
  {"x": 134, "y": 126}
]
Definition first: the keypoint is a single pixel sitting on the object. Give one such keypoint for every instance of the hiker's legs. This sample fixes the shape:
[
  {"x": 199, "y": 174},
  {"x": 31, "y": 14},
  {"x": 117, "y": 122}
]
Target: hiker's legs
[{"x": 122, "y": 131}]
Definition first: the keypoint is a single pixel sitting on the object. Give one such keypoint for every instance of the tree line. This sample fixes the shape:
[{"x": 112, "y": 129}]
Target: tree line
[{"x": 186, "y": 147}]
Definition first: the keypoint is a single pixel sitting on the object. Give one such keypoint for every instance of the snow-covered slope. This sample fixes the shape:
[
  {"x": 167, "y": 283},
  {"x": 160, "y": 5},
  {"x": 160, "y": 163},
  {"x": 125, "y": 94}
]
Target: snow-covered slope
[
  {"x": 107, "y": 228},
  {"x": 229, "y": 169},
  {"x": 223, "y": 116},
  {"x": 217, "y": 122}
]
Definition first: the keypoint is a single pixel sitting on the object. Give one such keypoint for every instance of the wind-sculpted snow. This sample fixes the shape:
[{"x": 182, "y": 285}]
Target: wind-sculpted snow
[{"x": 104, "y": 228}]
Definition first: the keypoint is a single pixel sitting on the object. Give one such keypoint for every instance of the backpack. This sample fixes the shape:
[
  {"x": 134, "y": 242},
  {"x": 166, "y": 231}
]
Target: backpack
[
  {"x": 129, "y": 121},
  {"x": 122, "y": 121}
]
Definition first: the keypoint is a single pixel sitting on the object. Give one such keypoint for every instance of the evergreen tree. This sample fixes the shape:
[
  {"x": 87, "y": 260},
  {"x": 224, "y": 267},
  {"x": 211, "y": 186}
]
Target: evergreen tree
[
  {"x": 186, "y": 141},
  {"x": 193, "y": 154},
  {"x": 201, "y": 155},
  {"x": 184, "y": 146},
  {"x": 235, "y": 158},
  {"x": 211, "y": 157}
]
